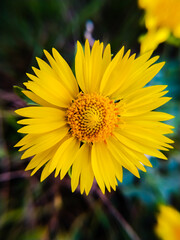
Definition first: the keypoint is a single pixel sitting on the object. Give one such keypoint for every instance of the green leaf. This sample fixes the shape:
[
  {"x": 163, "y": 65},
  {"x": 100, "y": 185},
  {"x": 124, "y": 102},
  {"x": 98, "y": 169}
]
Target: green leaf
[
  {"x": 174, "y": 41},
  {"x": 18, "y": 91},
  {"x": 70, "y": 172}
]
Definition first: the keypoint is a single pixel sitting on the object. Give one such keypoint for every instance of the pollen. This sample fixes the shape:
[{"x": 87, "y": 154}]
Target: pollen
[{"x": 92, "y": 118}]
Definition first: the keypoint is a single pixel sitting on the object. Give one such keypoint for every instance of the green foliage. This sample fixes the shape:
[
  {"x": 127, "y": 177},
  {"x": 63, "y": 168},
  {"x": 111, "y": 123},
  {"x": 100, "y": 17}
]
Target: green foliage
[{"x": 19, "y": 92}]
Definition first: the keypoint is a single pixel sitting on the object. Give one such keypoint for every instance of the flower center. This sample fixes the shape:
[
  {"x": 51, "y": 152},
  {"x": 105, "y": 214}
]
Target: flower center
[{"x": 92, "y": 117}]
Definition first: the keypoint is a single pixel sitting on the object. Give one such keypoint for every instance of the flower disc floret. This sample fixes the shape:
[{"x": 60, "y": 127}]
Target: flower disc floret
[{"x": 92, "y": 118}]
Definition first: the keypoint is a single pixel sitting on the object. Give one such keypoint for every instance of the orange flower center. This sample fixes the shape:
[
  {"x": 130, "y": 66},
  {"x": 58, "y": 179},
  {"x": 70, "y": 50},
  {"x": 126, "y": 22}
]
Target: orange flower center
[{"x": 92, "y": 118}]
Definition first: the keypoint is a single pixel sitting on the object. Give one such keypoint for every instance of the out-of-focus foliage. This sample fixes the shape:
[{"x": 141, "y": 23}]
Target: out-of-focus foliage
[{"x": 30, "y": 210}]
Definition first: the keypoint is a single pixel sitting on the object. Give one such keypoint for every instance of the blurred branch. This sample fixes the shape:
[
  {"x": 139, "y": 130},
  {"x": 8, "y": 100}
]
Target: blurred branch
[
  {"x": 6, "y": 160},
  {"x": 131, "y": 233},
  {"x": 12, "y": 175},
  {"x": 12, "y": 98}
]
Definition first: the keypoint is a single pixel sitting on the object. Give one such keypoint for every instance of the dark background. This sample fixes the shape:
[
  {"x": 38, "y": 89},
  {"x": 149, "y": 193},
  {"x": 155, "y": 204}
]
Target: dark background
[{"x": 30, "y": 210}]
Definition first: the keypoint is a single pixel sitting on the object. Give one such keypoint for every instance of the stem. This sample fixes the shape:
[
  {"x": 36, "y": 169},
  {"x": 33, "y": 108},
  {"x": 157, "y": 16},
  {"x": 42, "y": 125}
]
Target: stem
[
  {"x": 7, "y": 176},
  {"x": 131, "y": 233}
]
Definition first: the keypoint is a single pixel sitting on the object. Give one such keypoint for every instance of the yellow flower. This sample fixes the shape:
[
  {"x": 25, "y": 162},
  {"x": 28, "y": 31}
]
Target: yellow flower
[
  {"x": 97, "y": 122},
  {"x": 162, "y": 18},
  {"x": 168, "y": 223}
]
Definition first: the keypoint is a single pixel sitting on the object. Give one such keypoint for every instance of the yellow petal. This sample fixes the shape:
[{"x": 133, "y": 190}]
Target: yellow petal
[
  {"x": 45, "y": 172},
  {"x": 107, "y": 166},
  {"x": 136, "y": 158},
  {"x": 63, "y": 72},
  {"x": 82, "y": 170},
  {"x": 45, "y": 93},
  {"x": 40, "y": 159},
  {"x": 37, "y": 99},
  {"x": 118, "y": 170},
  {"x": 68, "y": 157},
  {"x": 140, "y": 78},
  {"x": 115, "y": 149},
  {"x": 58, "y": 155},
  {"x": 120, "y": 75},
  {"x": 90, "y": 66},
  {"x": 96, "y": 69},
  {"x": 152, "y": 116},
  {"x": 135, "y": 72},
  {"x": 44, "y": 161},
  {"x": 106, "y": 58},
  {"x": 36, "y": 160},
  {"x": 142, "y": 94},
  {"x": 48, "y": 79},
  {"x": 111, "y": 70},
  {"x": 42, "y": 128},
  {"x": 64, "y": 157},
  {"x": 45, "y": 141},
  {"x": 144, "y": 107},
  {"x": 26, "y": 139},
  {"x": 97, "y": 170},
  {"x": 148, "y": 135},
  {"x": 79, "y": 67},
  {"x": 139, "y": 147},
  {"x": 41, "y": 112}
]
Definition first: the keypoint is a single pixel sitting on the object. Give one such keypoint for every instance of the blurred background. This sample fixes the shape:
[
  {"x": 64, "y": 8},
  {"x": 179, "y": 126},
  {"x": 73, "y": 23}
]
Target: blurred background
[{"x": 30, "y": 210}]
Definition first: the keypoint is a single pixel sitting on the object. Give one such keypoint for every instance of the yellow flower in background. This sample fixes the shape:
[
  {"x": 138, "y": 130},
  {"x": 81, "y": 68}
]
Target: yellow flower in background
[
  {"x": 97, "y": 122},
  {"x": 168, "y": 223},
  {"x": 162, "y": 17}
]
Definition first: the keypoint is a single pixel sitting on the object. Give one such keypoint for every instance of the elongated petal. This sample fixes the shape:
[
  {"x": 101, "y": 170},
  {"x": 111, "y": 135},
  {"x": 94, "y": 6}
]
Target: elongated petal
[
  {"x": 42, "y": 128},
  {"x": 64, "y": 157},
  {"x": 138, "y": 146},
  {"x": 45, "y": 141},
  {"x": 91, "y": 65},
  {"x": 82, "y": 170},
  {"x": 37, "y": 99},
  {"x": 41, "y": 112},
  {"x": 115, "y": 149},
  {"x": 63, "y": 72},
  {"x": 97, "y": 170},
  {"x": 106, "y": 164}
]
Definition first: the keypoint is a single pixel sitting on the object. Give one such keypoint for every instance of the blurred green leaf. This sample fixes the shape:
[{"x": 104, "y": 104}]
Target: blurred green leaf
[
  {"x": 173, "y": 40},
  {"x": 70, "y": 172},
  {"x": 18, "y": 90}
]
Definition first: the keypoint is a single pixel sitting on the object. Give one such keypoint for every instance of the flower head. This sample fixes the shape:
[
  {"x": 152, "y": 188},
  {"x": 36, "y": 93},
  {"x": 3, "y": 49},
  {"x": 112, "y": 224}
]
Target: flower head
[
  {"x": 97, "y": 122},
  {"x": 168, "y": 223},
  {"x": 161, "y": 18}
]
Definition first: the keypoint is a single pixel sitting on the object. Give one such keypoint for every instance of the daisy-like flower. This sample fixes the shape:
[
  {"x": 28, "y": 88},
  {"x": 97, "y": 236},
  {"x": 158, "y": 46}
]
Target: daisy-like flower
[
  {"x": 97, "y": 122},
  {"x": 162, "y": 18},
  {"x": 168, "y": 223}
]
